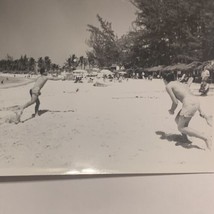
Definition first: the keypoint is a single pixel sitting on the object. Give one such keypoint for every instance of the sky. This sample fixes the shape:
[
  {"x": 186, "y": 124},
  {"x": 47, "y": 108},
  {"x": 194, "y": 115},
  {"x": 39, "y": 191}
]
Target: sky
[{"x": 57, "y": 28}]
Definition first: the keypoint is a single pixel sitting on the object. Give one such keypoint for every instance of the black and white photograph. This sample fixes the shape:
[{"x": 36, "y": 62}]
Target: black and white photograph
[{"x": 106, "y": 87}]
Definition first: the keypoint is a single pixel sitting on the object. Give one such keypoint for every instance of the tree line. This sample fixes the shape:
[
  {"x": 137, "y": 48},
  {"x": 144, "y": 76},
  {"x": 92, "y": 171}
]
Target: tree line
[{"x": 29, "y": 65}]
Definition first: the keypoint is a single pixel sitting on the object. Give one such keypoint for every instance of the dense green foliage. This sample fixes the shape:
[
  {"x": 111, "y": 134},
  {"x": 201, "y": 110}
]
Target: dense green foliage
[
  {"x": 26, "y": 64},
  {"x": 165, "y": 32},
  {"x": 22, "y": 64},
  {"x": 176, "y": 30},
  {"x": 104, "y": 51},
  {"x": 30, "y": 65}
]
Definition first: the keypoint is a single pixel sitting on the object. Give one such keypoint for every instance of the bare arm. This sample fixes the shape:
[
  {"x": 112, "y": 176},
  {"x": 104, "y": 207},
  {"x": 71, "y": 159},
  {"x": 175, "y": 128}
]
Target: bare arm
[
  {"x": 182, "y": 78},
  {"x": 173, "y": 98}
]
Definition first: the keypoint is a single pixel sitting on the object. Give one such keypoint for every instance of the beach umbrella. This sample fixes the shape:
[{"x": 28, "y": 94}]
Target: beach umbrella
[
  {"x": 106, "y": 72},
  {"x": 154, "y": 69},
  {"x": 193, "y": 65},
  {"x": 190, "y": 67},
  {"x": 92, "y": 73},
  {"x": 176, "y": 67},
  {"x": 79, "y": 71},
  {"x": 95, "y": 69}
]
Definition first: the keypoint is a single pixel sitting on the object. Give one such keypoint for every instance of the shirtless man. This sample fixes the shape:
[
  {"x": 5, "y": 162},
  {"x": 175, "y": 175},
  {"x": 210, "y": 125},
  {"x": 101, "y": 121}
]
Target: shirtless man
[
  {"x": 35, "y": 93},
  {"x": 180, "y": 92}
]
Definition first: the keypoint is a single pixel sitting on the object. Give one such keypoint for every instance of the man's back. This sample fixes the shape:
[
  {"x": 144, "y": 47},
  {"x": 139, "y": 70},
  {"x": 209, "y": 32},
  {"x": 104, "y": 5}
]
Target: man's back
[{"x": 180, "y": 90}]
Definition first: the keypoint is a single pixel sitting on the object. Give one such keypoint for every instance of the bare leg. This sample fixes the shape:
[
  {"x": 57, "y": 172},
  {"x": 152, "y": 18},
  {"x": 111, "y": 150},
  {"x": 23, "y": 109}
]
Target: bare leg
[
  {"x": 31, "y": 102},
  {"x": 191, "y": 132},
  {"x": 189, "y": 82},
  {"x": 184, "y": 135},
  {"x": 209, "y": 119},
  {"x": 185, "y": 125},
  {"x": 37, "y": 106},
  {"x": 177, "y": 117}
]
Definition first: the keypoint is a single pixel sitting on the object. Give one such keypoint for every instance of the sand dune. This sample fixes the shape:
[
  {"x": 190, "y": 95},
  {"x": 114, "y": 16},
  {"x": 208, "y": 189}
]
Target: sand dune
[{"x": 122, "y": 128}]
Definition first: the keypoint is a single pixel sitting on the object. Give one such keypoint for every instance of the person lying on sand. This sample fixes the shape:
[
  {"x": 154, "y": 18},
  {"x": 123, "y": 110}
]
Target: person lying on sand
[
  {"x": 180, "y": 92},
  {"x": 98, "y": 84},
  {"x": 35, "y": 93}
]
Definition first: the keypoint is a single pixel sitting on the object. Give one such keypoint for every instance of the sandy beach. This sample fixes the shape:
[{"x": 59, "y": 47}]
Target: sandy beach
[{"x": 122, "y": 128}]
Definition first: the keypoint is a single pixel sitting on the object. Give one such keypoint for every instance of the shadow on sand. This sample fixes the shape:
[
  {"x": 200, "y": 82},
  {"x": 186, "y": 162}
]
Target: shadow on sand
[
  {"x": 178, "y": 139},
  {"x": 41, "y": 112}
]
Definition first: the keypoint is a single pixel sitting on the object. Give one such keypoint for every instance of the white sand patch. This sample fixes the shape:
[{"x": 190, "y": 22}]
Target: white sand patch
[
  {"x": 8, "y": 117},
  {"x": 122, "y": 128}
]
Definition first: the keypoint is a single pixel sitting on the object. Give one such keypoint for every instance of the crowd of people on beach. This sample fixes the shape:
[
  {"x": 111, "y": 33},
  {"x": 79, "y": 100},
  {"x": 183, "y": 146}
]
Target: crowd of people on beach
[{"x": 177, "y": 90}]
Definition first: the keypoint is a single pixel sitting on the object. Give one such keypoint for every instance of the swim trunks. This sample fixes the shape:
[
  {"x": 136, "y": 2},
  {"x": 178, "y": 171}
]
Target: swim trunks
[
  {"x": 190, "y": 106},
  {"x": 35, "y": 91}
]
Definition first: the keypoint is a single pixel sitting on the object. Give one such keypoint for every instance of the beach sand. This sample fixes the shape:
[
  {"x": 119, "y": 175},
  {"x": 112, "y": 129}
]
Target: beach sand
[{"x": 122, "y": 128}]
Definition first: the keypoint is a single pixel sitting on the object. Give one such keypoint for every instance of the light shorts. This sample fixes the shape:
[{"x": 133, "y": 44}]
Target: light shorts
[{"x": 190, "y": 106}]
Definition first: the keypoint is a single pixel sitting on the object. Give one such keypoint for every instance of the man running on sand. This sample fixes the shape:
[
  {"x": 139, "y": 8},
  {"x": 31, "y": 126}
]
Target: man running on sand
[
  {"x": 35, "y": 93},
  {"x": 178, "y": 91}
]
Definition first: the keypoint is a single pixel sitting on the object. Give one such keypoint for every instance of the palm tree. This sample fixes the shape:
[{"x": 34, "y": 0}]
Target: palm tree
[
  {"x": 81, "y": 61},
  {"x": 41, "y": 63},
  {"x": 32, "y": 64},
  {"x": 47, "y": 63}
]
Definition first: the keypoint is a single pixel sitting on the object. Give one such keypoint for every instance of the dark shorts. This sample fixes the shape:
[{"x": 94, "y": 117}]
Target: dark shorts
[{"x": 35, "y": 92}]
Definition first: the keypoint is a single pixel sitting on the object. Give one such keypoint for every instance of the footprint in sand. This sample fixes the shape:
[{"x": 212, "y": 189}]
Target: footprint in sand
[{"x": 8, "y": 117}]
